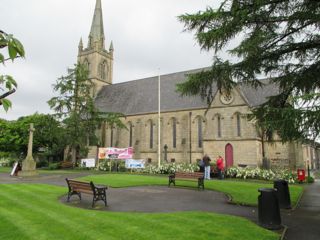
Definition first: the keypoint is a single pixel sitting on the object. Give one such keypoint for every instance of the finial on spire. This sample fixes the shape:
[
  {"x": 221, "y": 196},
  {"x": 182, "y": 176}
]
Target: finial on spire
[
  {"x": 80, "y": 45},
  {"x": 111, "y": 49},
  {"x": 97, "y": 32}
]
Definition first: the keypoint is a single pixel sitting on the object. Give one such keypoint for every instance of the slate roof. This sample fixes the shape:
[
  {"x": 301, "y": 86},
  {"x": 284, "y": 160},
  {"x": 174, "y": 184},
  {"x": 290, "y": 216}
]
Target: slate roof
[{"x": 141, "y": 96}]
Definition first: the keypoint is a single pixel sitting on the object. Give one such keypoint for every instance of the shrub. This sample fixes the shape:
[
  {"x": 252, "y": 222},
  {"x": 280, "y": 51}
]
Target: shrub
[
  {"x": 310, "y": 179},
  {"x": 7, "y": 161},
  {"x": 42, "y": 163},
  {"x": 104, "y": 165},
  {"x": 54, "y": 166}
]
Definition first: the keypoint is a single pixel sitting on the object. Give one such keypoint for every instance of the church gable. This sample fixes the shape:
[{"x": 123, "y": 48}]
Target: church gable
[{"x": 235, "y": 98}]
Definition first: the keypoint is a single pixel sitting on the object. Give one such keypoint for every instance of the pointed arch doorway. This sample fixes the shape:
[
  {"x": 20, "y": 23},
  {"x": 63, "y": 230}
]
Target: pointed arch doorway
[{"x": 229, "y": 155}]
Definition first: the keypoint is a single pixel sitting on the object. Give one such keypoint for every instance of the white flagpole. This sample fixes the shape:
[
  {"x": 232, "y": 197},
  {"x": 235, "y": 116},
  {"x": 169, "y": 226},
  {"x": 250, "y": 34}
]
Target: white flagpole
[{"x": 159, "y": 122}]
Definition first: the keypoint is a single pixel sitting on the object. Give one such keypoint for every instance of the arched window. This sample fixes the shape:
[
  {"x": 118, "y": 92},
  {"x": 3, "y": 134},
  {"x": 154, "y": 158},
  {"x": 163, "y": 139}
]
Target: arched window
[
  {"x": 151, "y": 134},
  {"x": 238, "y": 125},
  {"x": 200, "y": 132},
  {"x": 174, "y": 132},
  {"x": 87, "y": 65},
  {"x": 111, "y": 137},
  {"x": 219, "y": 125},
  {"x": 102, "y": 70},
  {"x": 130, "y": 134}
]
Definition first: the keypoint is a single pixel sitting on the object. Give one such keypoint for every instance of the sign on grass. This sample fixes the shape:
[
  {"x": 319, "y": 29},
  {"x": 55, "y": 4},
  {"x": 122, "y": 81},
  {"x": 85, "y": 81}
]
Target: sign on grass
[
  {"x": 135, "y": 163},
  {"x": 88, "y": 162}
]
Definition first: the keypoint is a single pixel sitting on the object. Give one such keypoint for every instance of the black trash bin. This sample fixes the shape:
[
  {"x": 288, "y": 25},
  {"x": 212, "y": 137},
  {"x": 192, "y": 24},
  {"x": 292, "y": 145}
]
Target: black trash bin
[
  {"x": 283, "y": 193},
  {"x": 268, "y": 209}
]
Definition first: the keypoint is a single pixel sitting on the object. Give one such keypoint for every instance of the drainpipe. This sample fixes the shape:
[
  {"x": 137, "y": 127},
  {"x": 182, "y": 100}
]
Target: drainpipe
[{"x": 190, "y": 143}]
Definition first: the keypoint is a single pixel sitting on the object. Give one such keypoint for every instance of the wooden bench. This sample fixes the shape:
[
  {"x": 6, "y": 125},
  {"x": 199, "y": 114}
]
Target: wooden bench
[
  {"x": 66, "y": 164},
  {"x": 190, "y": 176},
  {"x": 77, "y": 187}
]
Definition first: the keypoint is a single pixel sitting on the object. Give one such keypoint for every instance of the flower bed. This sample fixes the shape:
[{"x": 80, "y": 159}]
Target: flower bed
[
  {"x": 262, "y": 174},
  {"x": 168, "y": 168}
]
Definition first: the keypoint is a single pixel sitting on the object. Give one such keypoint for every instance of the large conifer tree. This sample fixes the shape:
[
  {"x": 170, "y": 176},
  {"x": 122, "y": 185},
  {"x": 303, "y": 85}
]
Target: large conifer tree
[{"x": 280, "y": 40}]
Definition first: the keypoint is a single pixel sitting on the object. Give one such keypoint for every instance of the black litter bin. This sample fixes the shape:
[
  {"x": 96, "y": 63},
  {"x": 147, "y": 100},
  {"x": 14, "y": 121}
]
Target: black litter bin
[
  {"x": 283, "y": 193},
  {"x": 268, "y": 209}
]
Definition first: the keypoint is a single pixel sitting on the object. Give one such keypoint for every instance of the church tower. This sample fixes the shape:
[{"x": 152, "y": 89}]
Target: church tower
[{"x": 98, "y": 60}]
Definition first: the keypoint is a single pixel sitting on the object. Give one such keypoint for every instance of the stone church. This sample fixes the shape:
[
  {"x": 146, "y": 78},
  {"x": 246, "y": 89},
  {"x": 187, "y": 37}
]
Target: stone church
[{"x": 187, "y": 131}]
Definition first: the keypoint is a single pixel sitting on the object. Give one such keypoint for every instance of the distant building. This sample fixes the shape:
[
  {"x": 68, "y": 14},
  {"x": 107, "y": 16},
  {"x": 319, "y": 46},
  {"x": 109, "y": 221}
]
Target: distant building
[{"x": 186, "y": 131}]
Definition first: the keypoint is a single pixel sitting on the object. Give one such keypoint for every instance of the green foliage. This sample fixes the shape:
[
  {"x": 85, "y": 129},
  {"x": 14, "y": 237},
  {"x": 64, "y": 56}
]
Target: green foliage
[
  {"x": 54, "y": 166},
  {"x": 49, "y": 136},
  {"x": 75, "y": 106},
  {"x": 7, "y": 161},
  {"x": 310, "y": 179},
  {"x": 280, "y": 40},
  {"x": 116, "y": 165},
  {"x": 14, "y": 50}
]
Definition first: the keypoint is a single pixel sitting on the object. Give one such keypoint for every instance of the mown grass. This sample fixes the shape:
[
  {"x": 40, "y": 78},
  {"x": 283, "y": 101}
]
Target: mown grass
[
  {"x": 5, "y": 169},
  {"x": 241, "y": 192},
  {"x": 33, "y": 211}
]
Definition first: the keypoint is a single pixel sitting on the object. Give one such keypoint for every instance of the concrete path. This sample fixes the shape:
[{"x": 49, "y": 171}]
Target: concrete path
[{"x": 303, "y": 223}]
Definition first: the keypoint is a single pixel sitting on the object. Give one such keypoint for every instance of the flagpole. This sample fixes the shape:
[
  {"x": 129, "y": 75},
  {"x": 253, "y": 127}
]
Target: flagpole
[{"x": 159, "y": 121}]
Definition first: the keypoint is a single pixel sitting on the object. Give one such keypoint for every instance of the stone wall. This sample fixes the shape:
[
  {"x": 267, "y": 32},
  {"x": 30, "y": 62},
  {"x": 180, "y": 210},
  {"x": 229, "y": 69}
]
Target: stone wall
[{"x": 246, "y": 144}]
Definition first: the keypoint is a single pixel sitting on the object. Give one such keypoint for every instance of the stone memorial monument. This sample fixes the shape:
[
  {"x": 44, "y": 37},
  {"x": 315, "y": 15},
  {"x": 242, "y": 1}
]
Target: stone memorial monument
[{"x": 29, "y": 165}]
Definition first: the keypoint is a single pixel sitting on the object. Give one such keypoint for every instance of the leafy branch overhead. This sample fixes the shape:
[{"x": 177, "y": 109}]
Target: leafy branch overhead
[
  {"x": 279, "y": 40},
  {"x": 11, "y": 49}
]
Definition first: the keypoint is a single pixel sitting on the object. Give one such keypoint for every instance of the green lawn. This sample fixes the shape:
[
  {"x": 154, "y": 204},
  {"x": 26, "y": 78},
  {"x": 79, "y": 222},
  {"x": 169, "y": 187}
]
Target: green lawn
[
  {"x": 33, "y": 211},
  {"x": 5, "y": 169},
  {"x": 242, "y": 192}
]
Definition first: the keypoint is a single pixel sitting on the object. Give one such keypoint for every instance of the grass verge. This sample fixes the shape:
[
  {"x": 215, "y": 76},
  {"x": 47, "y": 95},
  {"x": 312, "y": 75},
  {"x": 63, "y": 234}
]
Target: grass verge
[
  {"x": 241, "y": 192},
  {"x": 32, "y": 211}
]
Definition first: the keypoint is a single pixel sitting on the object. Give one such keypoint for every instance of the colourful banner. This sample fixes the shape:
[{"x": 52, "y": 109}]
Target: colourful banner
[{"x": 115, "y": 153}]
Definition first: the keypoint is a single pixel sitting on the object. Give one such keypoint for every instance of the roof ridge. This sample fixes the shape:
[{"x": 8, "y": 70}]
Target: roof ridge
[{"x": 161, "y": 75}]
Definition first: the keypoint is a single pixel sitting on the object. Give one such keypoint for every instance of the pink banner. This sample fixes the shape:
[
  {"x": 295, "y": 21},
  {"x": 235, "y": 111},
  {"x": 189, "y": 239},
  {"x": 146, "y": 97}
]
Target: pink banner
[{"x": 116, "y": 153}]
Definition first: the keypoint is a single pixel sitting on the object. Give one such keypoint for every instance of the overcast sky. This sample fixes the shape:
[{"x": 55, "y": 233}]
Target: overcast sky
[{"x": 146, "y": 36}]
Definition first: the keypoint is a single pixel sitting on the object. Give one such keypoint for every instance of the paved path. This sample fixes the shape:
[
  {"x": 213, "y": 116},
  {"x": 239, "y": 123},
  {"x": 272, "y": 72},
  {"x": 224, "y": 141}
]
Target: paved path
[{"x": 303, "y": 222}]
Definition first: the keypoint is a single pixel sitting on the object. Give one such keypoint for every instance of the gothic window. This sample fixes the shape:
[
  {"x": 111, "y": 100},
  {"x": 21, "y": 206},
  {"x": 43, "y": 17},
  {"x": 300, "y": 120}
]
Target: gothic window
[
  {"x": 102, "y": 70},
  {"x": 174, "y": 132},
  {"x": 130, "y": 134},
  {"x": 87, "y": 65},
  {"x": 238, "y": 125},
  {"x": 219, "y": 125},
  {"x": 111, "y": 137},
  {"x": 151, "y": 134},
  {"x": 200, "y": 132}
]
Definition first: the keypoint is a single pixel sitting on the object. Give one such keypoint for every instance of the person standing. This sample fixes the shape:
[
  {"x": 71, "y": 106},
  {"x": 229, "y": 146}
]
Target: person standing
[
  {"x": 206, "y": 160},
  {"x": 220, "y": 166}
]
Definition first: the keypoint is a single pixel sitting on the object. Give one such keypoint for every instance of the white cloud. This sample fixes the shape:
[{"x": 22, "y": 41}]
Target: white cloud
[{"x": 146, "y": 35}]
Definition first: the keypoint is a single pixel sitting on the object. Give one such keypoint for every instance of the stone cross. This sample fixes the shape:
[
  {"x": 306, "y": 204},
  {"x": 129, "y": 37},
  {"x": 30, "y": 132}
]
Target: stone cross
[
  {"x": 30, "y": 144},
  {"x": 29, "y": 165}
]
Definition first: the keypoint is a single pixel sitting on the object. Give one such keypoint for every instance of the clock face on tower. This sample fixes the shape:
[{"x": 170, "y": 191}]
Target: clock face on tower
[{"x": 226, "y": 98}]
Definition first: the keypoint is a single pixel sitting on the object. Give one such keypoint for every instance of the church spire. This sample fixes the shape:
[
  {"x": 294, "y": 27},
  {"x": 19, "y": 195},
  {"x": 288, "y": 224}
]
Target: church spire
[{"x": 96, "y": 36}]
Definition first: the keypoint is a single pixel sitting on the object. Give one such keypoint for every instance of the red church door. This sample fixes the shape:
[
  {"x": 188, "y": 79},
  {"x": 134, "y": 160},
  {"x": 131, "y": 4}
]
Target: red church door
[{"x": 229, "y": 155}]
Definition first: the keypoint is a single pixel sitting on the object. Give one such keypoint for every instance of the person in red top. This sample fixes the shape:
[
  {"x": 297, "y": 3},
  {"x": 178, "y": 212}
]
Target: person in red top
[{"x": 220, "y": 166}]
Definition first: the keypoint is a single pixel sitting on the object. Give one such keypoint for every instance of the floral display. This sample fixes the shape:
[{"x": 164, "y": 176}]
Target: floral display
[{"x": 262, "y": 174}]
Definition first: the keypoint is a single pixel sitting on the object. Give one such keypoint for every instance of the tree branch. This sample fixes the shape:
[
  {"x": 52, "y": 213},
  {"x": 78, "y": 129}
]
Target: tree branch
[{"x": 7, "y": 94}]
